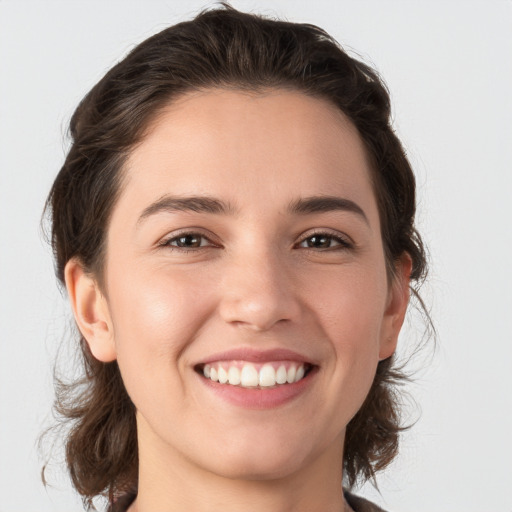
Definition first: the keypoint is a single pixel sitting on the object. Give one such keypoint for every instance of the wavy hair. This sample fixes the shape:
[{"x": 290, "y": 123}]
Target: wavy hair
[{"x": 221, "y": 47}]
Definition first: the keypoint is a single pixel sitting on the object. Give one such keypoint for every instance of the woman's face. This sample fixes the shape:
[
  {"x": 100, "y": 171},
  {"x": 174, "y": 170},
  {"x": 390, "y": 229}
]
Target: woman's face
[{"x": 246, "y": 246}]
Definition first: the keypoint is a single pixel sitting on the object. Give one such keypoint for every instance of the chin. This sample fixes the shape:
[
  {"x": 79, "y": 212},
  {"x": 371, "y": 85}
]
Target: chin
[
  {"x": 261, "y": 469},
  {"x": 259, "y": 460}
]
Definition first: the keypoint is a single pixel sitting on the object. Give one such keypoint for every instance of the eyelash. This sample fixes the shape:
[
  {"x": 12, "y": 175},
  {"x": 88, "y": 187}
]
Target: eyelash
[
  {"x": 167, "y": 242},
  {"x": 343, "y": 243}
]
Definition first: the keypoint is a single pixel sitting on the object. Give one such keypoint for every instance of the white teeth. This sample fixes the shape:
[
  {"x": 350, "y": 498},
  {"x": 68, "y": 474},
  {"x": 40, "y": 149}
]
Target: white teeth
[
  {"x": 249, "y": 377},
  {"x": 290, "y": 376},
  {"x": 267, "y": 376},
  {"x": 281, "y": 375},
  {"x": 234, "y": 376},
  {"x": 223, "y": 375}
]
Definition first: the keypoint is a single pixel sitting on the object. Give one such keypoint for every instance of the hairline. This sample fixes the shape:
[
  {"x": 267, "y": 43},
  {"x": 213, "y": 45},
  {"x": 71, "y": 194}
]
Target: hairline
[{"x": 189, "y": 92}]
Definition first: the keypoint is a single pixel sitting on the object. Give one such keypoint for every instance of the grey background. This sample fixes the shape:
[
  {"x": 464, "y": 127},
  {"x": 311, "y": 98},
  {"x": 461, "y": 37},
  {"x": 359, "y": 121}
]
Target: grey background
[{"x": 449, "y": 68}]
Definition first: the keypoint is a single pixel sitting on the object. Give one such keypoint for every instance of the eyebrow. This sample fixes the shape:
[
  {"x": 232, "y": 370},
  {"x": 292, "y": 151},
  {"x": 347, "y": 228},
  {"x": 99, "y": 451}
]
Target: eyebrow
[
  {"x": 320, "y": 204},
  {"x": 212, "y": 205},
  {"x": 198, "y": 204}
]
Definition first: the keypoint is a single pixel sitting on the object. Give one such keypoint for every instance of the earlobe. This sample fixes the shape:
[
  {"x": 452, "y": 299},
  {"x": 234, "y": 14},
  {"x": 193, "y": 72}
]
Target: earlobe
[
  {"x": 91, "y": 311},
  {"x": 398, "y": 301}
]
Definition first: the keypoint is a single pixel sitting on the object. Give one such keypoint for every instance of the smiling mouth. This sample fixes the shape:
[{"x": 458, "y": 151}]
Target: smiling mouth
[{"x": 243, "y": 374}]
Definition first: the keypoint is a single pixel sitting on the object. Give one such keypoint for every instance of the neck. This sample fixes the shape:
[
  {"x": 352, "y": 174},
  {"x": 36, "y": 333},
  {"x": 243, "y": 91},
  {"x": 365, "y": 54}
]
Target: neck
[{"x": 170, "y": 483}]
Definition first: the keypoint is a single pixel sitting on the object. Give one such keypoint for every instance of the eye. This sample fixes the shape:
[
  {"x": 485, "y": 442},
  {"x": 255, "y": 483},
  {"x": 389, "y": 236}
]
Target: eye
[
  {"x": 325, "y": 241},
  {"x": 187, "y": 241}
]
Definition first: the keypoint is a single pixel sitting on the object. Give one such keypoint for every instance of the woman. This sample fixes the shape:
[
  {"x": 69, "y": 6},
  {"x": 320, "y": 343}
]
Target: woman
[{"x": 234, "y": 224}]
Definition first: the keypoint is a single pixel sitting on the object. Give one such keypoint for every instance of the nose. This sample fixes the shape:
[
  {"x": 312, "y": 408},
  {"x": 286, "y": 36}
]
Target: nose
[{"x": 258, "y": 291}]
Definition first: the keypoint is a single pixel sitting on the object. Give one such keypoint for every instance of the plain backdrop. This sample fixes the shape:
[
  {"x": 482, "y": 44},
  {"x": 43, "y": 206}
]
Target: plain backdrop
[{"x": 449, "y": 69}]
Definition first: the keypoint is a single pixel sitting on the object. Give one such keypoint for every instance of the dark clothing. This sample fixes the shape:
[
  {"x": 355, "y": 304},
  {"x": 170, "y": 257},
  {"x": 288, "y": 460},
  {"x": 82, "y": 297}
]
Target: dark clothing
[
  {"x": 122, "y": 503},
  {"x": 360, "y": 504}
]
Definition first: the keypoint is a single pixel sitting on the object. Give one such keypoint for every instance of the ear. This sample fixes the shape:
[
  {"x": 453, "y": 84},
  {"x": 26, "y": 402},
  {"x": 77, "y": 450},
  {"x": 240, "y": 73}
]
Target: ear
[
  {"x": 91, "y": 311},
  {"x": 398, "y": 299}
]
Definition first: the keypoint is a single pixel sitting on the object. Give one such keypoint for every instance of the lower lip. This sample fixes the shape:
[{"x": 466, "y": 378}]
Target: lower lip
[{"x": 260, "y": 398}]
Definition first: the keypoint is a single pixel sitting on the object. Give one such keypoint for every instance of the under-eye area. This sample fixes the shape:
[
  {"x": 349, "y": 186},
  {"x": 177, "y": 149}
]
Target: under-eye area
[{"x": 255, "y": 375}]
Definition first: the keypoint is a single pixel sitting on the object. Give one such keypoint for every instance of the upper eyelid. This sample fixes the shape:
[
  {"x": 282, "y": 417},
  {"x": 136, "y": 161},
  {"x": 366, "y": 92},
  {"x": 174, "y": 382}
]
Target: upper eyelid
[
  {"x": 326, "y": 231},
  {"x": 187, "y": 231},
  {"x": 165, "y": 241}
]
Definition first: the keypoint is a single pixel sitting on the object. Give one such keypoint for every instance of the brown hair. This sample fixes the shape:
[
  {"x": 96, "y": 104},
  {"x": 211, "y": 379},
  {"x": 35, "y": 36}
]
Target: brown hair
[{"x": 219, "y": 48}]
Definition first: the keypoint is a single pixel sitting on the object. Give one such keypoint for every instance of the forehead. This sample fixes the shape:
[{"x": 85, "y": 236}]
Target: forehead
[{"x": 271, "y": 146}]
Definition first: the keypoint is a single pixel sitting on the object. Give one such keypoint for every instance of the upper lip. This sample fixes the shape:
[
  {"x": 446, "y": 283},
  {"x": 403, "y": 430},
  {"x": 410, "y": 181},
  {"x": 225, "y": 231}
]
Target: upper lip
[{"x": 256, "y": 356}]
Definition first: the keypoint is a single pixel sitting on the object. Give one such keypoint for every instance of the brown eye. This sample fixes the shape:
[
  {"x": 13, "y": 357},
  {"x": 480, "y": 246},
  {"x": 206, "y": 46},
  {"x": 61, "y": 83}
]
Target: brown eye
[
  {"x": 188, "y": 241},
  {"x": 324, "y": 241},
  {"x": 319, "y": 241}
]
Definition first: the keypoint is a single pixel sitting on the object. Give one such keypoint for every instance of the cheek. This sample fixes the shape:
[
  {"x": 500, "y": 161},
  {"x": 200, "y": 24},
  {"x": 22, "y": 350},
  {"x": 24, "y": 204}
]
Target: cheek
[
  {"x": 350, "y": 309},
  {"x": 350, "y": 304},
  {"x": 155, "y": 316}
]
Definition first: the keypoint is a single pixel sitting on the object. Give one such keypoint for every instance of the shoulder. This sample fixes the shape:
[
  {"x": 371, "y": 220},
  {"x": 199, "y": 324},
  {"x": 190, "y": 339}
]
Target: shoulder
[{"x": 359, "y": 504}]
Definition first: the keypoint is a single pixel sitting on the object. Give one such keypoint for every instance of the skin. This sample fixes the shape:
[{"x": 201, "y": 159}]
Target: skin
[{"x": 254, "y": 283}]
